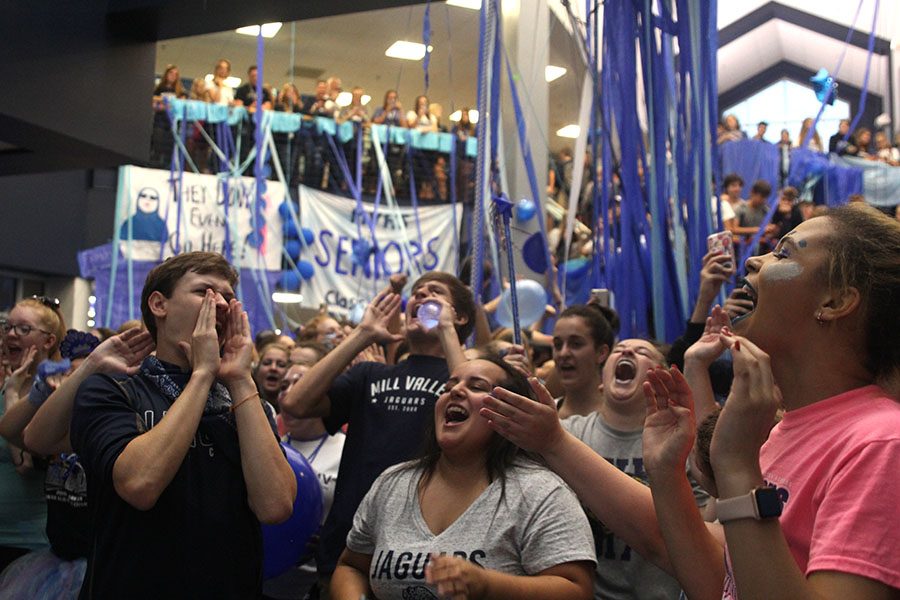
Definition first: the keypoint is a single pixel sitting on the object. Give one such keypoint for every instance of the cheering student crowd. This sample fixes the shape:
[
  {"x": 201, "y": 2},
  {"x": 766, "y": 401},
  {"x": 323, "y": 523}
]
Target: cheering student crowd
[
  {"x": 753, "y": 458},
  {"x": 304, "y": 158}
]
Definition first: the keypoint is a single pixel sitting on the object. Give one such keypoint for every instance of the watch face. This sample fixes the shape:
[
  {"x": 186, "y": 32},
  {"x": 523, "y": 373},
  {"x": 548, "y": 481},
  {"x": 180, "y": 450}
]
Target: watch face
[{"x": 768, "y": 503}]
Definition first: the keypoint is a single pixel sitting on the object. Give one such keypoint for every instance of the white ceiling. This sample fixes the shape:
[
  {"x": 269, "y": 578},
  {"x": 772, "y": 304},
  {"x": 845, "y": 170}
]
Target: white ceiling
[
  {"x": 838, "y": 11},
  {"x": 778, "y": 40}
]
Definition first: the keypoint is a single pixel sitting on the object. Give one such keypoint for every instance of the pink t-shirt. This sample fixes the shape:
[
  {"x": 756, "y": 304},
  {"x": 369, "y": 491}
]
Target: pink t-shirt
[{"x": 835, "y": 465}]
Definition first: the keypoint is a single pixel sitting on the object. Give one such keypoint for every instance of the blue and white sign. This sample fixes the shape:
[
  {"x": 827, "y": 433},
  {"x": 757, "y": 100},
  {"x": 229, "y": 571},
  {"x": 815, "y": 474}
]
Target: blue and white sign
[{"x": 341, "y": 278}]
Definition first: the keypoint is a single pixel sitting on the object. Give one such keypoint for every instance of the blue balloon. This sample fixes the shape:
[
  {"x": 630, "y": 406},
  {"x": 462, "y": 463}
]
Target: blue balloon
[
  {"x": 823, "y": 85},
  {"x": 525, "y": 210},
  {"x": 293, "y": 248},
  {"x": 289, "y": 281},
  {"x": 285, "y": 543},
  {"x": 534, "y": 254},
  {"x": 290, "y": 229},
  {"x": 308, "y": 236},
  {"x": 306, "y": 269},
  {"x": 255, "y": 239},
  {"x": 284, "y": 209},
  {"x": 532, "y": 300}
]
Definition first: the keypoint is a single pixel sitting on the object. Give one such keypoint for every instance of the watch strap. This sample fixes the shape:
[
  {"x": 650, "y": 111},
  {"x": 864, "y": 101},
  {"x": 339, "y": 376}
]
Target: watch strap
[{"x": 740, "y": 507}]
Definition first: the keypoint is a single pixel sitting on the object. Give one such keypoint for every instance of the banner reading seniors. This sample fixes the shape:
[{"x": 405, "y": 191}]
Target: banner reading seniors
[
  {"x": 338, "y": 280},
  {"x": 150, "y": 214}
]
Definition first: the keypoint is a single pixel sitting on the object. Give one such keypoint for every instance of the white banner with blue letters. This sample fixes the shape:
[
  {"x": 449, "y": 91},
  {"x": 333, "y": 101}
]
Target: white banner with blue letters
[{"x": 403, "y": 243}]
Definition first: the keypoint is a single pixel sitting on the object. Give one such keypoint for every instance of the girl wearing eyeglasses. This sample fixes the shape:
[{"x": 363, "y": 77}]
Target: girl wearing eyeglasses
[{"x": 31, "y": 334}]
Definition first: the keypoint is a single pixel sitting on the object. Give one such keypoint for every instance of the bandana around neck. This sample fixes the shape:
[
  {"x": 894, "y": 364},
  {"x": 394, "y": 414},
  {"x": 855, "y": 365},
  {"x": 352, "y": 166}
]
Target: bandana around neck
[{"x": 218, "y": 402}]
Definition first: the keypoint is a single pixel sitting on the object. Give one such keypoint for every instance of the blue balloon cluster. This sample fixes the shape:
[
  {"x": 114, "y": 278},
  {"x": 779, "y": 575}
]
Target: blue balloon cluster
[{"x": 294, "y": 243}]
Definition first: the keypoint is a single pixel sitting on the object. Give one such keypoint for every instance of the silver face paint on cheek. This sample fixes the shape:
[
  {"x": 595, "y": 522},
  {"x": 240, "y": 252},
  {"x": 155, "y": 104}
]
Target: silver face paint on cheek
[{"x": 782, "y": 271}]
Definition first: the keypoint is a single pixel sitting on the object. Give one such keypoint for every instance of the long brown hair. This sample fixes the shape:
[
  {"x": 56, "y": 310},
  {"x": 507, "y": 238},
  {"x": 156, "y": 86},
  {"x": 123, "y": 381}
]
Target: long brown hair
[{"x": 162, "y": 86}]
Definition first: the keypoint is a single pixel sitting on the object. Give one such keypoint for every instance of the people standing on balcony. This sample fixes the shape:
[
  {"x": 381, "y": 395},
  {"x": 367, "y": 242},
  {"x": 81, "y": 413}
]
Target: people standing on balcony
[
  {"x": 420, "y": 118},
  {"x": 197, "y": 146},
  {"x": 815, "y": 142},
  {"x": 245, "y": 94},
  {"x": 161, "y": 140},
  {"x": 288, "y": 145},
  {"x": 390, "y": 112},
  {"x": 836, "y": 143},
  {"x": 355, "y": 111},
  {"x": 219, "y": 91}
]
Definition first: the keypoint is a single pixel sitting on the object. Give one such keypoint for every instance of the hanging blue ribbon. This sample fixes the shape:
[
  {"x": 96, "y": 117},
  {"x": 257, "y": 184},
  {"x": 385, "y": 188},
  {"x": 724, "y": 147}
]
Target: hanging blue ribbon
[
  {"x": 426, "y": 40},
  {"x": 525, "y": 148}
]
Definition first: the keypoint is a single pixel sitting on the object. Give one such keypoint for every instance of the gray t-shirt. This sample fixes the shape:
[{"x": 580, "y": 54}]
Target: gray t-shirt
[
  {"x": 748, "y": 216},
  {"x": 623, "y": 574},
  {"x": 535, "y": 525}
]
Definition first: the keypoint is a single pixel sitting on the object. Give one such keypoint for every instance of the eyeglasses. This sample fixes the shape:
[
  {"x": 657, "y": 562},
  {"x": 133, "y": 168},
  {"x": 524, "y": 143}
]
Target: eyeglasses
[
  {"x": 51, "y": 303},
  {"x": 21, "y": 330}
]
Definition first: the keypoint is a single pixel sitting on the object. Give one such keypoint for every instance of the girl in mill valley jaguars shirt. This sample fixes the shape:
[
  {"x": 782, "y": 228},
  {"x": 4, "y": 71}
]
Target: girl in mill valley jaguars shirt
[{"x": 474, "y": 516}]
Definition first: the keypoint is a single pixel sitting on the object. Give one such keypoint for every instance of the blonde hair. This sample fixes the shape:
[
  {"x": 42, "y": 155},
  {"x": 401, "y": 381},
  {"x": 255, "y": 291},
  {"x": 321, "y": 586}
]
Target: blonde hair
[{"x": 50, "y": 319}]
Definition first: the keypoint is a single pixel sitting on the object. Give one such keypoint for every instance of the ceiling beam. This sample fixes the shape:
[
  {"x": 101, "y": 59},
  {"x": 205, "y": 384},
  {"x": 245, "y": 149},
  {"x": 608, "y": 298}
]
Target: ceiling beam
[{"x": 775, "y": 10}]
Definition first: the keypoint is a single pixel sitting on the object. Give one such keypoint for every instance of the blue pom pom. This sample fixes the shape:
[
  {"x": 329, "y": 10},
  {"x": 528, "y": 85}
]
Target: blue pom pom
[
  {"x": 290, "y": 230},
  {"x": 306, "y": 269},
  {"x": 284, "y": 209},
  {"x": 293, "y": 248},
  {"x": 289, "y": 281},
  {"x": 255, "y": 240}
]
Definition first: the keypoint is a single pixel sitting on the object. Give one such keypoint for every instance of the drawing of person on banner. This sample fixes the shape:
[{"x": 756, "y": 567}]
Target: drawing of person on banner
[{"x": 145, "y": 223}]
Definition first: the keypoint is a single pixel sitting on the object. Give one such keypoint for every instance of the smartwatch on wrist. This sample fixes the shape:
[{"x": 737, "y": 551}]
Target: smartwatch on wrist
[{"x": 761, "y": 503}]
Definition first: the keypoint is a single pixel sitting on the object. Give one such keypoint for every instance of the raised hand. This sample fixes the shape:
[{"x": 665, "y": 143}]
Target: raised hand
[
  {"x": 202, "y": 352},
  {"x": 122, "y": 353},
  {"x": 454, "y": 578},
  {"x": 749, "y": 412},
  {"x": 377, "y": 318},
  {"x": 530, "y": 425},
  {"x": 20, "y": 375},
  {"x": 709, "y": 347},
  {"x": 237, "y": 353},
  {"x": 717, "y": 269},
  {"x": 669, "y": 428},
  {"x": 517, "y": 358}
]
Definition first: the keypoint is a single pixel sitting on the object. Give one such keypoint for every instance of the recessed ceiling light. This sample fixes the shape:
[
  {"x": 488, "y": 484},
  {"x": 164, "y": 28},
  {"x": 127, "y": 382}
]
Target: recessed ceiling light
[
  {"x": 569, "y": 131},
  {"x": 407, "y": 50},
  {"x": 552, "y": 73},
  {"x": 287, "y": 298},
  {"x": 268, "y": 30},
  {"x": 231, "y": 81},
  {"x": 344, "y": 98},
  {"x": 455, "y": 116},
  {"x": 471, "y": 4}
]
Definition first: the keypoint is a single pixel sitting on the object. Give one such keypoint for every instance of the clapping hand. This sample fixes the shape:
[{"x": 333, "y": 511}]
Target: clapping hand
[
  {"x": 122, "y": 353},
  {"x": 378, "y": 316},
  {"x": 19, "y": 375},
  {"x": 670, "y": 427},
  {"x": 709, "y": 347},
  {"x": 749, "y": 412},
  {"x": 533, "y": 426}
]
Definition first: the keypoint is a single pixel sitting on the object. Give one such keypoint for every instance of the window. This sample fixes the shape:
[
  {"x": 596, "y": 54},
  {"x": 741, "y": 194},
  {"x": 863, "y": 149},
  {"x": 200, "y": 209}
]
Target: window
[{"x": 784, "y": 105}]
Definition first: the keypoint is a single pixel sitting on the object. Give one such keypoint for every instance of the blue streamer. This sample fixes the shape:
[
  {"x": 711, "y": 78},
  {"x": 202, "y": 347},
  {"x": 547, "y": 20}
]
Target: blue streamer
[{"x": 426, "y": 40}]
